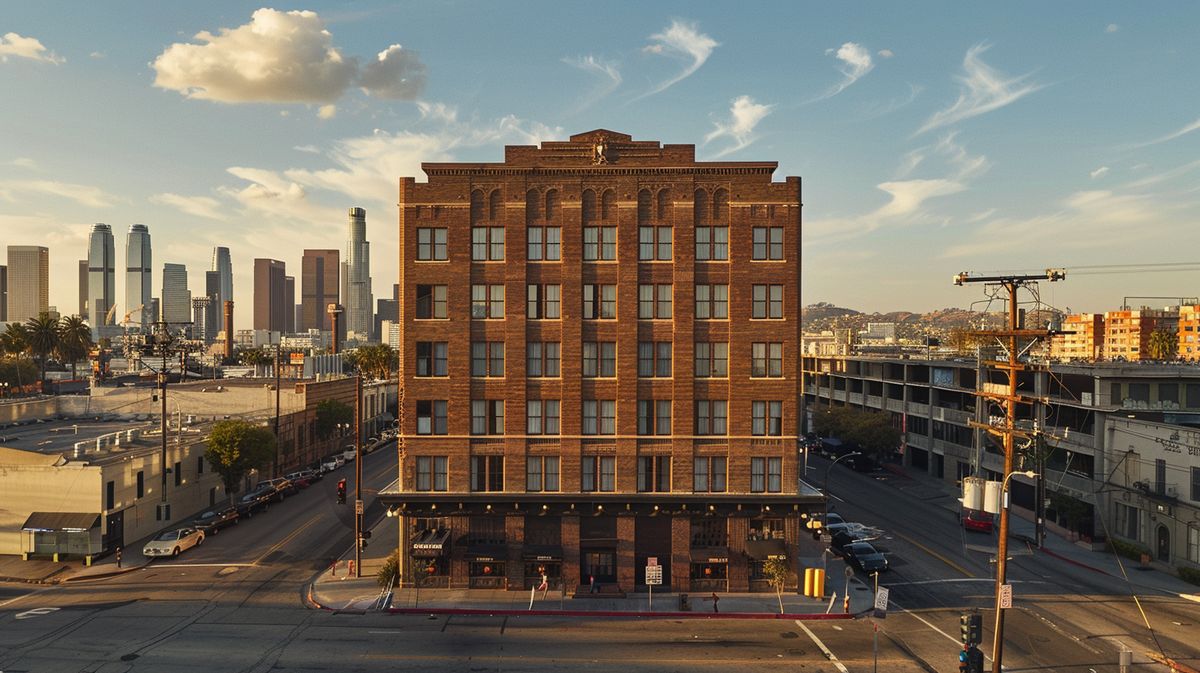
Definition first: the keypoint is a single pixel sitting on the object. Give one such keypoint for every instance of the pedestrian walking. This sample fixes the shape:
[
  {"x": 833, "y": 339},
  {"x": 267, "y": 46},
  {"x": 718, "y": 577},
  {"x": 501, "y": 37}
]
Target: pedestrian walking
[
  {"x": 593, "y": 588},
  {"x": 118, "y": 557},
  {"x": 715, "y": 600},
  {"x": 544, "y": 587}
]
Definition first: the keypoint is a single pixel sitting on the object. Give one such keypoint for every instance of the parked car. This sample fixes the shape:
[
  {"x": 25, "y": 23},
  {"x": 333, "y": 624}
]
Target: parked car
[
  {"x": 349, "y": 455},
  {"x": 976, "y": 519},
  {"x": 171, "y": 543},
  {"x": 283, "y": 487},
  {"x": 212, "y": 521},
  {"x": 257, "y": 500},
  {"x": 840, "y": 539},
  {"x": 832, "y": 518},
  {"x": 299, "y": 479},
  {"x": 333, "y": 462},
  {"x": 865, "y": 557}
]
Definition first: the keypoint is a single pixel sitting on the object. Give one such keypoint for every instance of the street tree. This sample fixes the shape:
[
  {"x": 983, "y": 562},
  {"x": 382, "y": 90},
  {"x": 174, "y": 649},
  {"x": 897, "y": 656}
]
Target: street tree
[
  {"x": 329, "y": 414},
  {"x": 235, "y": 447},
  {"x": 872, "y": 431},
  {"x": 43, "y": 340},
  {"x": 15, "y": 340},
  {"x": 373, "y": 361},
  {"x": 778, "y": 575},
  {"x": 75, "y": 340}
]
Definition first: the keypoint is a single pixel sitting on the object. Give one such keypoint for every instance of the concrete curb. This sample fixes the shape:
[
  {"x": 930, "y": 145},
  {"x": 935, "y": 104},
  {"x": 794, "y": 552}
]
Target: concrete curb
[
  {"x": 803, "y": 616},
  {"x": 1191, "y": 597},
  {"x": 104, "y": 575}
]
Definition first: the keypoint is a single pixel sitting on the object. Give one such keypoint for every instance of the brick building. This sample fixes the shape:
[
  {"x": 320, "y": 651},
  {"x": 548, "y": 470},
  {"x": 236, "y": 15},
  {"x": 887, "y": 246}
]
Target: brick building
[
  {"x": 599, "y": 359},
  {"x": 1127, "y": 332}
]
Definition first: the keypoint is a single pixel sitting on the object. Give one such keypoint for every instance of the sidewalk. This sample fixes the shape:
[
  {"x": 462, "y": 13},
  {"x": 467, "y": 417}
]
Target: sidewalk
[
  {"x": 1022, "y": 533},
  {"x": 45, "y": 571}
]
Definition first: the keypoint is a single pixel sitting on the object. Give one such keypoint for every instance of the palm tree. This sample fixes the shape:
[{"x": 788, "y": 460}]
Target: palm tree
[
  {"x": 15, "y": 340},
  {"x": 75, "y": 340},
  {"x": 43, "y": 339}
]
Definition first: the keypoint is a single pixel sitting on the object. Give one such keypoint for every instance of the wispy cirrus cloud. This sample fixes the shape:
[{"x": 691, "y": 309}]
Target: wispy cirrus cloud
[
  {"x": 684, "y": 41},
  {"x": 607, "y": 73},
  {"x": 744, "y": 116},
  {"x": 984, "y": 89},
  {"x": 200, "y": 206},
  {"x": 1170, "y": 136},
  {"x": 855, "y": 62},
  {"x": 1099, "y": 172},
  {"x": 84, "y": 195},
  {"x": 17, "y": 46}
]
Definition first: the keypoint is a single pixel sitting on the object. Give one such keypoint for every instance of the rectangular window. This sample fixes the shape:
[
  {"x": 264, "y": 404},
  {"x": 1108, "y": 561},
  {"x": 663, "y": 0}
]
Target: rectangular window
[
  {"x": 766, "y": 417},
  {"x": 599, "y": 473},
  {"x": 199, "y": 465},
  {"x": 1195, "y": 484},
  {"x": 758, "y": 475},
  {"x": 599, "y": 359},
  {"x": 599, "y": 417},
  {"x": 654, "y": 474},
  {"x": 768, "y": 243},
  {"x": 431, "y": 473},
  {"x": 1193, "y": 542},
  {"x": 654, "y": 359},
  {"x": 767, "y": 302},
  {"x": 766, "y": 360},
  {"x": 431, "y": 417},
  {"x": 542, "y": 359},
  {"x": 541, "y": 473},
  {"x": 487, "y": 417},
  {"x": 542, "y": 302},
  {"x": 711, "y": 417},
  {"x": 712, "y": 244},
  {"x": 654, "y": 417},
  {"x": 487, "y": 301},
  {"x": 541, "y": 417},
  {"x": 487, "y": 244},
  {"x": 712, "y": 359},
  {"x": 708, "y": 474},
  {"x": 654, "y": 301},
  {"x": 110, "y": 495},
  {"x": 487, "y": 473},
  {"x": 141, "y": 483},
  {"x": 431, "y": 358},
  {"x": 654, "y": 244},
  {"x": 431, "y": 302},
  {"x": 431, "y": 244},
  {"x": 599, "y": 244},
  {"x": 487, "y": 358},
  {"x": 712, "y": 302},
  {"x": 599, "y": 302},
  {"x": 544, "y": 244}
]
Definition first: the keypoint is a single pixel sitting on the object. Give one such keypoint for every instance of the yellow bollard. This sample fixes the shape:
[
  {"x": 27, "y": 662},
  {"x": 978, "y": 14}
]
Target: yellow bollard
[
  {"x": 819, "y": 582},
  {"x": 810, "y": 576}
]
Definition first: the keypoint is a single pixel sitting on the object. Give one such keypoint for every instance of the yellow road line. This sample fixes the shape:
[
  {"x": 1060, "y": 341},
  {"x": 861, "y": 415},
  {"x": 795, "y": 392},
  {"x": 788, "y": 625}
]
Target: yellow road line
[
  {"x": 285, "y": 540},
  {"x": 934, "y": 554}
]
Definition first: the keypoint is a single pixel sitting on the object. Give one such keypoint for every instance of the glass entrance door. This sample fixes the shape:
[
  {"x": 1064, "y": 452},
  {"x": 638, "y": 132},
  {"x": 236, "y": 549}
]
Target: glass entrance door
[{"x": 601, "y": 563}]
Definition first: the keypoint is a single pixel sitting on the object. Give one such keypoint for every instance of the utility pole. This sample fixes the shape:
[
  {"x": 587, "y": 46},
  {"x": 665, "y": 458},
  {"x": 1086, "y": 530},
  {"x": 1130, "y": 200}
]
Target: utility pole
[
  {"x": 278, "y": 356},
  {"x": 1008, "y": 399},
  {"x": 358, "y": 503}
]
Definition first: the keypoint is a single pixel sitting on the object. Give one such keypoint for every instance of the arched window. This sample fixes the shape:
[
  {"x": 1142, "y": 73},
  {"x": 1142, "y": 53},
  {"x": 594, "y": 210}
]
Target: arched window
[
  {"x": 495, "y": 203},
  {"x": 644, "y": 205},
  {"x": 721, "y": 205},
  {"x": 589, "y": 205},
  {"x": 552, "y": 204},
  {"x": 701, "y": 206},
  {"x": 664, "y": 204},
  {"x": 531, "y": 206},
  {"x": 608, "y": 204},
  {"x": 477, "y": 206}
]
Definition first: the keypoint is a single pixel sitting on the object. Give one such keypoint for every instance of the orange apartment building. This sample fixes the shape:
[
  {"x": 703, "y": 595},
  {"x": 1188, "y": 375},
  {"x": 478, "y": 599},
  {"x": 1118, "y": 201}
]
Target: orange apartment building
[
  {"x": 1086, "y": 341},
  {"x": 1189, "y": 332},
  {"x": 1127, "y": 333}
]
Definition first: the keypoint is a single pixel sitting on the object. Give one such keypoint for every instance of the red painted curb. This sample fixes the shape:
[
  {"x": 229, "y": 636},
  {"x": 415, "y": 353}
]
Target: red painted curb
[
  {"x": 1076, "y": 563},
  {"x": 805, "y": 616}
]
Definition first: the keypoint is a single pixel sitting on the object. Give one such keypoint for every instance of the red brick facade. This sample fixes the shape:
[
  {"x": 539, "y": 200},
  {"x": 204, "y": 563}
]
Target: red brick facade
[{"x": 633, "y": 222}]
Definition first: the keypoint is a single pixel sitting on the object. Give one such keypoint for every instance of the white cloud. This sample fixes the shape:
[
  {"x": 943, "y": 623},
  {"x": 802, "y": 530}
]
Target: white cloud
[
  {"x": 855, "y": 62},
  {"x": 1171, "y": 136},
  {"x": 327, "y": 111},
  {"x": 983, "y": 89},
  {"x": 1099, "y": 172},
  {"x": 680, "y": 40},
  {"x": 966, "y": 166},
  {"x": 281, "y": 57},
  {"x": 607, "y": 73},
  {"x": 310, "y": 149},
  {"x": 1111, "y": 28},
  {"x": 885, "y": 53},
  {"x": 200, "y": 206},
  {"x": 876, "y": 110},
  {"x": 744, "y": 116},
  {"x": 440, "y": 112},
  {"x": 24, "y": 162},
  {"x": 908, "y": 195},
  {"x": 31, "y": 48},
  {"x": 1163, "y": 176},
  {"x": 98, "y": 55},
  {"x": 85, "y": 195}
]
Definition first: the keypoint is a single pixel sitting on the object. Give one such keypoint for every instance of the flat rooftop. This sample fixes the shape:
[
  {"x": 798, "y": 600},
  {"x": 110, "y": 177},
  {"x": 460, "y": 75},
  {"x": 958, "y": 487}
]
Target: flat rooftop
[{"x": 63, "y": 436}]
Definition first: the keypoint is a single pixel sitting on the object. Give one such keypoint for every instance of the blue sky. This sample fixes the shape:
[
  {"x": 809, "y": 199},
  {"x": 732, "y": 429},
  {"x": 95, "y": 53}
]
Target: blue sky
[{"x": 932, "y": 138}]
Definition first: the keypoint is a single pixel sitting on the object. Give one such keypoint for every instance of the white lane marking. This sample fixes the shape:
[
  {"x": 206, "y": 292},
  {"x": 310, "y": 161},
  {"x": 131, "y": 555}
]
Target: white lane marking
[
  {"x": 833, "y": 659},
  {"x": 924, "y": 621},
  {"x": 36, "y": 612},
  {"x": 836, "y": 498},
  {"x": 207, "y": 565},
  {"x": 24, "y": 596}
]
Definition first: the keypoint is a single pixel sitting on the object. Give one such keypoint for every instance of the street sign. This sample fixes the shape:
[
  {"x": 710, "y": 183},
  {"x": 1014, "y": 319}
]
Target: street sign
[
  {"x": 358, "y": 506},
  {"x": 653, "y": 575},
  {"x": 1005, "y": 596},
  {"x": 881, "y": 601}
]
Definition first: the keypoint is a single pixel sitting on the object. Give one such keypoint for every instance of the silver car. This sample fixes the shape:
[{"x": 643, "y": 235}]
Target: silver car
[{"x": 171, "y": 543}]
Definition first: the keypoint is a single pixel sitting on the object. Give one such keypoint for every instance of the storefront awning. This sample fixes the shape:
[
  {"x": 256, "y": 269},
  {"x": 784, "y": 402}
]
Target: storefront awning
[
  {"x": 430, "y": 543},
  {"x": 711, "y": 555},
  {"x": 487, "y": 552},
  {"x": 61, "y": 522},
  {"x": 542, "y": 552},
  {"x": 761, "y": 550}
]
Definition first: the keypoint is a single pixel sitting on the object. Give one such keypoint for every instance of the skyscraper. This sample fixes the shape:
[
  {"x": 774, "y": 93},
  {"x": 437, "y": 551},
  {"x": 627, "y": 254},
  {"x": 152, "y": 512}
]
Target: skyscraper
[
  {"x": 3, "y": 293},
  {"x": 83, "y": 289},
  {"x": 176, "y": 298},
  {"x": 318, "y": 287},
  {"x": 137, "y": 276},
  {"x": 224, "y": 268},
  {"x": 270, "y": 305},
  {"x": 357, "y": 283},
  {"x": 102, "y": 280},
  {"x": 289, "y": 303},
  {"x": 215, "y": 311},
  {"x": 28, "y": 281}
]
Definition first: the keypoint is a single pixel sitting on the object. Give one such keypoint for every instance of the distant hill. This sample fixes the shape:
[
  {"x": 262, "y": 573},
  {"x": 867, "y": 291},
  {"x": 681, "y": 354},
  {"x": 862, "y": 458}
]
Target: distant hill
[{"x": 909, "y": 325}]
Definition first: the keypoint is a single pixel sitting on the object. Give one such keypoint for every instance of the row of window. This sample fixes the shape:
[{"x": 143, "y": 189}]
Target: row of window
[
  {"x": 599, "y": 474},
  {"x": 655, "y": 302},
  {"x": 599, "y": 417},
  {"x": 543, "y": 359},
  {"x": 544, "y": 244}
]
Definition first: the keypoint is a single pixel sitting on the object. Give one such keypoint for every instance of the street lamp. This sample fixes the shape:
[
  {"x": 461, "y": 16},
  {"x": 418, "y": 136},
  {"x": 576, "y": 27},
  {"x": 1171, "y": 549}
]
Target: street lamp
[
  {"x": 1002, "y": 563},
  {"x": 826, "y": 488}
]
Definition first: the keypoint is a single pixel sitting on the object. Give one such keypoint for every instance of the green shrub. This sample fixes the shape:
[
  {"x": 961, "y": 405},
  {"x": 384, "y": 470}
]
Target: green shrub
[
  {"x": 1127, "y": 549},
  {"x": 1189, "y": 574},
  {"x": 390, "y": 570}
]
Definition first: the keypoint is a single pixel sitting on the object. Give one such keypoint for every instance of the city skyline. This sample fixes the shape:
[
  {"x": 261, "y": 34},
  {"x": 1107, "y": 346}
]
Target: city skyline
[{"x": 1007, "y": 143}]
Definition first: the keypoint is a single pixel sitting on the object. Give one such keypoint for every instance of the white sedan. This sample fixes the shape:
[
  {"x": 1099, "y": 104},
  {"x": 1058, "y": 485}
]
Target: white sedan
[{"x": 173, "y": 542}]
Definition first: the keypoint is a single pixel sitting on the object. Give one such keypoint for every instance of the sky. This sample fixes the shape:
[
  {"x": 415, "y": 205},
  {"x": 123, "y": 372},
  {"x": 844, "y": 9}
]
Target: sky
[{"x": 932, "y": 138}]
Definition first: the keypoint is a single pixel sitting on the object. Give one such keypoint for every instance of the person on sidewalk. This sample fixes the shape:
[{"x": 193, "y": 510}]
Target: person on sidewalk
[
  {"x": 593, "y": 588},
  {"x": 715, "y": 600},
  {"x": 544, "y": 587},
  {"x": 118, "y": 557}
]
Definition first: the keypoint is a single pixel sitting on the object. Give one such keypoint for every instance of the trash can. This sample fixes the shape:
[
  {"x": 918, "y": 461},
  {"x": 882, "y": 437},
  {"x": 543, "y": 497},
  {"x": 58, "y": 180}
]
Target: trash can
[{"x": 683, "y": 603}]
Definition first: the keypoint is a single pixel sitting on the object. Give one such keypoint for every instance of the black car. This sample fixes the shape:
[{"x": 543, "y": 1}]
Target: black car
[
  {"x": 865, "y": 557},
  {"x": 257, "y": 500},
  {"x": 212, "y": 521}
]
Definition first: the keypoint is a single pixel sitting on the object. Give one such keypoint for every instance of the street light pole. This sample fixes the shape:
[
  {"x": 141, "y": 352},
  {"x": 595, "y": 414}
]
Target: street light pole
[
  {"x": 278, "y": 351},
  {"x": 358, "y": 503},
  {"x": 826, "y": 488}
]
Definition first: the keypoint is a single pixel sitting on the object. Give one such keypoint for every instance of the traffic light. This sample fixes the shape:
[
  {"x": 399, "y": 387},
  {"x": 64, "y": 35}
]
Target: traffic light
[
  {"x": 341, "y": 492},
  {"x": 974, "y": 660},
  {"x": 970, "y": 628}
]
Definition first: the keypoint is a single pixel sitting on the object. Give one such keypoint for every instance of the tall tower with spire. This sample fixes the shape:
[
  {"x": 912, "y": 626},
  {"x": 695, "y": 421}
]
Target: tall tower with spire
[{"x": 357, "y": 278}]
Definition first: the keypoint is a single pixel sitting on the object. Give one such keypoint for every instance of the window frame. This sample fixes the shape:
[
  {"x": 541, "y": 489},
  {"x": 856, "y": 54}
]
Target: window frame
[
  {"x": 708, "y": 305},
  {"x": 432, "y": 302},
  {"x": 706, "y": 250},
  {"x": 492, "y": 245},
  {"x": 767, "y": 307},
  {"x": 604, "y": 247},
  {"x": 710, "y": 359},
  {"x": 430, "y": 360},
  {"x": 487, "y": 307},
  {"x": 428, "y": 250}
]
